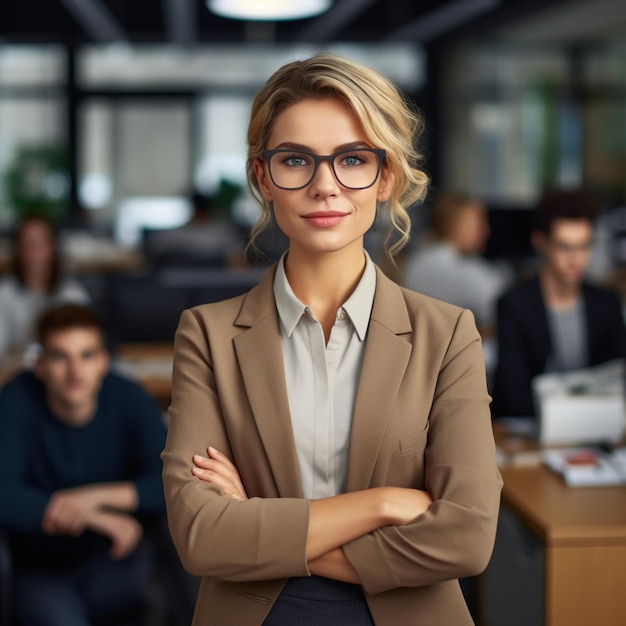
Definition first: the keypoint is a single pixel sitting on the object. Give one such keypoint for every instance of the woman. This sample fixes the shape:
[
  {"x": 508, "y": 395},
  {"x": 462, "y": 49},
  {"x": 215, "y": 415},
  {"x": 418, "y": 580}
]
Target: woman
[
  {"x": 34, "y": 284},
  {"x": 350, "y": 474}
]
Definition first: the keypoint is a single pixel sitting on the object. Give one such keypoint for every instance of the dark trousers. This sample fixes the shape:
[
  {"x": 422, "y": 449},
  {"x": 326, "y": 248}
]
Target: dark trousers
[
  {"x": 317, "y": 601},
  {"x": 100, "y": 589}
]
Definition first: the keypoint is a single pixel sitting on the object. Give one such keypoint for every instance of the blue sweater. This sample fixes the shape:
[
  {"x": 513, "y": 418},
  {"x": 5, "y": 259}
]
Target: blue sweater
[{"x": 40, "y": 455}]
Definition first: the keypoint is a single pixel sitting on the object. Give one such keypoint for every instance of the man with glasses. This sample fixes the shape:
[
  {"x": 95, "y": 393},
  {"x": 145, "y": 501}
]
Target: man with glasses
[{"x": 555, "y": 322}]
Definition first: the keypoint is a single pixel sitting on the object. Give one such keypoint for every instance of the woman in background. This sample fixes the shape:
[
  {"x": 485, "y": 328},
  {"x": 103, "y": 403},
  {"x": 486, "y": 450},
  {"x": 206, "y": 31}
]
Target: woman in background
[
  {"x": 330, "y": 458},
  {"x": 36, "y": 282},
  {"x": 451, "y": 267}
]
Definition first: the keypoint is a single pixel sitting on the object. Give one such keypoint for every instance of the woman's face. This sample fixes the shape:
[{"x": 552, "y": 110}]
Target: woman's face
[
  {"x": 471, "y": 230},
  {"x": 36, "y": 246},
  {"x": 323, "y": 216}
]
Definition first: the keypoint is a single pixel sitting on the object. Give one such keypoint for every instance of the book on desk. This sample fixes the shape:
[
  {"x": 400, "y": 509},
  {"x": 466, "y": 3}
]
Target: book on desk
[
  {"x": 588, "y": 466},
  {"x": 579, "y": 466}
]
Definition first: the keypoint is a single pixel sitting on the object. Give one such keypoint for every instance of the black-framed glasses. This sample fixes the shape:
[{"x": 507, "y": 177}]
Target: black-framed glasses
[{"x": 356, "y": 168}]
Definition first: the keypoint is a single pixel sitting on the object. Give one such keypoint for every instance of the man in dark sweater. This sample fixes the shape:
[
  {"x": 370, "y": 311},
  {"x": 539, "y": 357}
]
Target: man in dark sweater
[
  {"x": 555, "y": 321},
  {"x": 80, "y": 474}
]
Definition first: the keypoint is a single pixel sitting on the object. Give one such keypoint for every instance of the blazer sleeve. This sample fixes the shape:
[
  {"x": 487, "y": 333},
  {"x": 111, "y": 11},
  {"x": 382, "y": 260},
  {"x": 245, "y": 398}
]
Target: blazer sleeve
[
  {"x": 455, "y": 537},
  {"x": 215, "y": 535}
]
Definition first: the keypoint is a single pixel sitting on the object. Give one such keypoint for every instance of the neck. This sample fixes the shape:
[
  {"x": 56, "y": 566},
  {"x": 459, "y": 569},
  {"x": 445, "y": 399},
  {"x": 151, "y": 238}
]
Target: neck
[
  {"x": 324, "y": 281},
  {"x": 73, "y": 415},
  {"x": 558, "y": 294},
  {"x": 37, "y": 281}
]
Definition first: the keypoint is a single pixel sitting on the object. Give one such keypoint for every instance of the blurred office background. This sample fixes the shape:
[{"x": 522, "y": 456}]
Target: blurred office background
[{"x": 113, "y": 112}]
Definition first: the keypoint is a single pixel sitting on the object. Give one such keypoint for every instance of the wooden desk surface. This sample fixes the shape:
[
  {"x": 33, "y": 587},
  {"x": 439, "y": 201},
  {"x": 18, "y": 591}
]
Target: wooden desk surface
[
  {"x": 145, "y": 351},
  {"x": 562, "y": 515}
]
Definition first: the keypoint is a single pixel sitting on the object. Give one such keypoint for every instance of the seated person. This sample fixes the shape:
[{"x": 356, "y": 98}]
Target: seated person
[
  {"x": 555, "y": 321},
  {"x": 210, "y": 238},
  {"x": 35, "y": 283},
  {"x": 80, "y": 476},
  {"x": 451, "y": 267}
]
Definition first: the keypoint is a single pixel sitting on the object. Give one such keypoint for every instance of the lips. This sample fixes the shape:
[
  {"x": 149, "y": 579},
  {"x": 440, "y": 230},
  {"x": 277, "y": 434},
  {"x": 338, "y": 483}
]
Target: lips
[{"x": 325, "y": 219}]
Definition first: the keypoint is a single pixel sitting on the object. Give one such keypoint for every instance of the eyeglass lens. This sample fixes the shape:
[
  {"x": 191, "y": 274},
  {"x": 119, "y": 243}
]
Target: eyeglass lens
[{"x": 354, "y": 169}]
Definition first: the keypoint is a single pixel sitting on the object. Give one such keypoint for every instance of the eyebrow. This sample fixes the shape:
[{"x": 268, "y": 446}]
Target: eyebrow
[{"x": 287, "y": 145}]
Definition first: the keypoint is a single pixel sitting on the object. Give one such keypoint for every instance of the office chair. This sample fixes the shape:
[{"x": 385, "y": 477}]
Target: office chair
[
  {"x": 168, "y": 600},
  {"x": 6, "y": 580}
]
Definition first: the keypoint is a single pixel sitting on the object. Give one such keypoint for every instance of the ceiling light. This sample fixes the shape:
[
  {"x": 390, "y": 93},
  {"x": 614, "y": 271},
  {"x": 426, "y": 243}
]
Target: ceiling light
[{"x": 268, "y": 9}]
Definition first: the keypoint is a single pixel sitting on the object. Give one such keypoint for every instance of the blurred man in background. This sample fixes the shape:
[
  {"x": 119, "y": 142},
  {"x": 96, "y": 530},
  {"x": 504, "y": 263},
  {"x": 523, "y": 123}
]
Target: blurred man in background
[
  {"x": 555, "y": 321},
  {"x": 79, "y": 474}
]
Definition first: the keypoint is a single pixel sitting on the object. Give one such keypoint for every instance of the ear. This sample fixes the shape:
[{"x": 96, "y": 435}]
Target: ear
[
  {"x": 262, "y": 177},
  {"x": 385, "y": 185}
]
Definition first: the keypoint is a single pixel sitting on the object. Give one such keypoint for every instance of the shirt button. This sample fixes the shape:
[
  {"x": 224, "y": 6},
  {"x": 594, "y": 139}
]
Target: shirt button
[{"x": 341, "y": 315}]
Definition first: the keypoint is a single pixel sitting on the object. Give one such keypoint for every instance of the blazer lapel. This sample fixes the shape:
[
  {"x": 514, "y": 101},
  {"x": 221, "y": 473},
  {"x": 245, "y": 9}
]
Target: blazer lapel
[
  {"x": 385, "y": 360},
  {"x": 259, "y": 352}
]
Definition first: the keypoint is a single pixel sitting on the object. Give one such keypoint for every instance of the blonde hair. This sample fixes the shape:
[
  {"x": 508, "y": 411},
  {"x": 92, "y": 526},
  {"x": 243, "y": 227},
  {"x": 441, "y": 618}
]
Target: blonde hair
[{"x": 385, "y": 116}]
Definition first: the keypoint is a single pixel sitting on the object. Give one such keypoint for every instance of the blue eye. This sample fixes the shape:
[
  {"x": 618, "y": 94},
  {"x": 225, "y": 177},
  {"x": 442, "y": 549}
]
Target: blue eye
[
  {"x": 295, "y": 160},
  {"x": 353, "y": 159}
]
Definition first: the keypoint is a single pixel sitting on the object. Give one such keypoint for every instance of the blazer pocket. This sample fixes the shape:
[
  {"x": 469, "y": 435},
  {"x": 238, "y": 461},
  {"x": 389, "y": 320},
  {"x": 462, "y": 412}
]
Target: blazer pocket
[{"x": 414, "y": 443}]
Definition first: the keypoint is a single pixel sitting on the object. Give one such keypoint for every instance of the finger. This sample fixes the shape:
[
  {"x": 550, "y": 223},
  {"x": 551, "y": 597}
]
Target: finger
[
  {"x": 209, "y": 476},
  {"x": 217, "y": 474},
  {"x": 227, "y": 469},
  {"x": 125, "y": 538},
  {"x": 202, "y": 461},
  {"x": 117, "y": 550},
  {"x": 216, "y": 466},
  {"x": 52, "y": 520},
  {"x": 226, "y": 484},
  {"x": 48, "y": 526},
  {"x": 222, "y": 458}
]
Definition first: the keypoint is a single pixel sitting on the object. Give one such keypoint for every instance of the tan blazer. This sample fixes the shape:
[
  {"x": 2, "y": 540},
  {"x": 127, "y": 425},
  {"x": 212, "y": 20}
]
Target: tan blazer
[{"x": 421, "y": 419}]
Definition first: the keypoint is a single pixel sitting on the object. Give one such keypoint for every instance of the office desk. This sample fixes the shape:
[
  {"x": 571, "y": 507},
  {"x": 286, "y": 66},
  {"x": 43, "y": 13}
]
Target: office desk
[{"x": 560, "y": 556}]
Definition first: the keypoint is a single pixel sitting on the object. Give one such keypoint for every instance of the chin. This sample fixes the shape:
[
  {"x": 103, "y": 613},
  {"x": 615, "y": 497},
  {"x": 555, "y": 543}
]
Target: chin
[
  {"x": 573, "y": 281},
  {"x": 74, "y": 399}
]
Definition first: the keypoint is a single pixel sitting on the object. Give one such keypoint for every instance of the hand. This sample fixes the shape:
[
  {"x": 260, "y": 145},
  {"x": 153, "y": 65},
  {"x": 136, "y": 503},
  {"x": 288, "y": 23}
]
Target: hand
[
  {"x": 123, "y": 530},
  {"x": 218, "y": 470},
  {"x": 68, "y": 512}
]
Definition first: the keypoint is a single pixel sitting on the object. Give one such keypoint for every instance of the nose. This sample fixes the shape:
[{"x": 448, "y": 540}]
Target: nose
[
  {"x": 73, "y": 368},
  {"x": 324, "y": 182}
]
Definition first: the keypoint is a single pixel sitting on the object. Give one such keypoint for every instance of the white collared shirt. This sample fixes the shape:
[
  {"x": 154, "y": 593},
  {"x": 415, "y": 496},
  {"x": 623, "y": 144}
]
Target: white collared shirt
[{"x": 322, "y": 379}]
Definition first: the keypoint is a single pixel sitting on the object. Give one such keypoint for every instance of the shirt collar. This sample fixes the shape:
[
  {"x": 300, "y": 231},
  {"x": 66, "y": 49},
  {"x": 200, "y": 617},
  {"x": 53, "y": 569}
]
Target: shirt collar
[{"x": 358, "y": 306}]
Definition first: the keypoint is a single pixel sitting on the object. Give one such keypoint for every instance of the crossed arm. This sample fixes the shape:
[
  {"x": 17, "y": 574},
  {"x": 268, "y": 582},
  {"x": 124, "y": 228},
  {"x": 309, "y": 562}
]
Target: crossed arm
[
  {"x": 103, "y": 508},
  {"x": 333, "y": 521}
]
